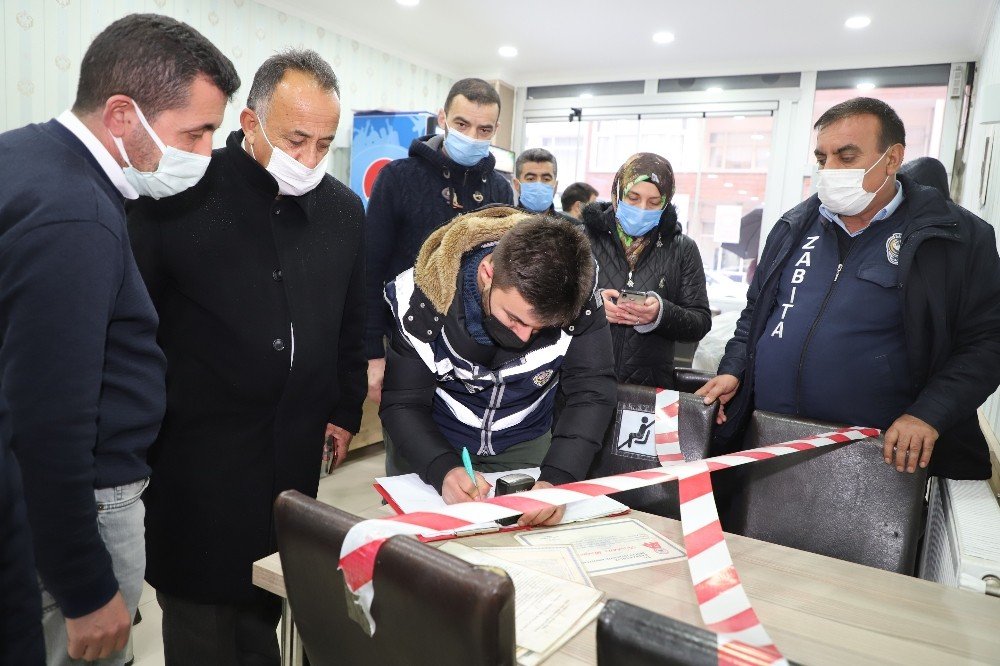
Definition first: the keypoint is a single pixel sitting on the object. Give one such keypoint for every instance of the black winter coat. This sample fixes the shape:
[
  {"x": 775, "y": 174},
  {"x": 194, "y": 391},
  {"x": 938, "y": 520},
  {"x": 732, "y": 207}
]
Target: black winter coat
[
  {"x": 950, "y": 278},
  {"x": 232, "y": 267},
  {"x": 411, "y": 198},
  {"x": 672, "y": 268}
]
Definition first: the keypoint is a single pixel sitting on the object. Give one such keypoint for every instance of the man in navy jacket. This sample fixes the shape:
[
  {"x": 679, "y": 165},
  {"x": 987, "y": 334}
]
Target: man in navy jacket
[
  {"x": 443, "y": 177},
  {"x": 876, "y": 303},
  {"x": 81, "y": 375}
]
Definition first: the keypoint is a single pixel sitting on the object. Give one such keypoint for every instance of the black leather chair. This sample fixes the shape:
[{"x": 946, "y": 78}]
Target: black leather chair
[
  {"x": 843, "y": 502},
  {"x": 687, "y": 380},
  {"x": 619, "y": 454},
  {"x": 430, "y": 607},
  {"x": 631, "y": 636}
]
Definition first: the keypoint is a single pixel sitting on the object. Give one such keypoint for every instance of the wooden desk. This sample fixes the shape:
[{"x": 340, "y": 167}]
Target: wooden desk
[{"x": 817, "y": 609}]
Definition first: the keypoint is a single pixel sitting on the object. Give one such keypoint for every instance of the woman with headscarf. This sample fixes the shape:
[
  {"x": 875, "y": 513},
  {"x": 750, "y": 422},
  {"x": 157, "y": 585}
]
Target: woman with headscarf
[{"x": 639, "y": 247}]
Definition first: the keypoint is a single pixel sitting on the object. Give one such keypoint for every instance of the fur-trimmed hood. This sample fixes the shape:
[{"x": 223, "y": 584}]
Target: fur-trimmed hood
[{"x": 440, "y": 257}]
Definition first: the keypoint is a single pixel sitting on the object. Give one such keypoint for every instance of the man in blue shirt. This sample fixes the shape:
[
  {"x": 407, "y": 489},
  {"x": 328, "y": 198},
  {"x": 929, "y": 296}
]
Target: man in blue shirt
[{"x": 877, "y": 303}]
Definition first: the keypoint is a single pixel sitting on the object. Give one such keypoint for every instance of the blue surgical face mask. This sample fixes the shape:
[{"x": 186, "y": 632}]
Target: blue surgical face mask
[
  {"x": 464, "y": 150},
  {"x": 635, "y": 221},
  {"x": 536, "y": 197}
]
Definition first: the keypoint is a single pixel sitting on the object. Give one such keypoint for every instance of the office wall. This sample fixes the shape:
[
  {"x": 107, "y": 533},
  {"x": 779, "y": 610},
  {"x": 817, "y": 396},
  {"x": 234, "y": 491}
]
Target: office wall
[
  {"x": 985, "y": 204},
  {"x": 42, "y": 42}
]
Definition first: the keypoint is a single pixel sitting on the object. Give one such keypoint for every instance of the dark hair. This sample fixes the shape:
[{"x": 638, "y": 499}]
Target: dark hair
[
  {"x": 549, "y": 262},
  {"x": 476, "y": 91},
  {"x": 535, "y": 155},
  {"x": 581, "y": 192},
  {"x": 269, "y": 75},
  {"x": 891, "y": 130},
  {"x": 153, "y": 59}
]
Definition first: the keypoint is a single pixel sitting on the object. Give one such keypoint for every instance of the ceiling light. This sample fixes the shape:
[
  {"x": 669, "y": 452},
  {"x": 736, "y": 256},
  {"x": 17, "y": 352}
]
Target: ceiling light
[
  {"x": 712, "y": 175},
  {"x": 663, "y": 37},
  {"x": 857, "y": 22},
  {"x": 754, "y": 198},
  {"x": 741, "y": 192},
  {"x": 507, "y": 51},
  {"x": 715, "y": 90},
  {"x": 865, "y": 86},
  {"x": 408, "y": 3},
  {"x": 586, "y": 95},
  {"x": 727, "y": 184},
  {"x": 756, "y": 137}
]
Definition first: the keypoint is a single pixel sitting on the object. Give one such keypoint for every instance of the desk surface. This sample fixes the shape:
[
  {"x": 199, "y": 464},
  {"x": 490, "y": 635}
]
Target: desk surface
[{"x": 817, "y": 609}]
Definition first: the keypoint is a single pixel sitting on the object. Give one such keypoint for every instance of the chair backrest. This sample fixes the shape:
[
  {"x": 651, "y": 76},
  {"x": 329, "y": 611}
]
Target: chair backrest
[
  {"x": 629, "y": 444},
  {"x": 631, "y": 636},
  {"x": 687, "y": 380},
  {"x": 844, "y": 502},
  {"x": 430, "y": 607}
]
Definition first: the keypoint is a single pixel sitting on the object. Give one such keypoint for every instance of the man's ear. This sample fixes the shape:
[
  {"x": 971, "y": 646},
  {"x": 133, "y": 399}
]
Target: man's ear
[
  {"x": 486, "y": 270},
  {"x": 517, "y": 185},
  {"x": 115, "y": 114},
  {"x": 895, "y": 157},
  {"x": 442, "y": 120},
  {"x": 250, "y": 125}
]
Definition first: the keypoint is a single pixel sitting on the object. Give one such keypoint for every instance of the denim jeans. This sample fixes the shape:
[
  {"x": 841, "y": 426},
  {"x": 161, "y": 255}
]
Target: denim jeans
[{"x": 120, "y": 515}]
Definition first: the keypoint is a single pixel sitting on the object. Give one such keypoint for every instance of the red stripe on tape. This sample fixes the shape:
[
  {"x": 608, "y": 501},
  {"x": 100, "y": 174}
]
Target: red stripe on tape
[
  {"x": 522, "y": 504},
  {"x": 592, "y": 489},
  {"x": 736, "y": 653},
  {"x": 756, "y": 455},
  {"x": 667, "y": 437},
  {"x": 672, "y": 409},
  {"x": 738, "y": 622},
  {"x": 694, "y": 487},
  {"x": 434, "y": 521},
  {"x": 647, "y": 475},
  {"x": 359, "y": 564},
  {"x": 702, "y": 539},
  {"x": 711, "y": 587}
]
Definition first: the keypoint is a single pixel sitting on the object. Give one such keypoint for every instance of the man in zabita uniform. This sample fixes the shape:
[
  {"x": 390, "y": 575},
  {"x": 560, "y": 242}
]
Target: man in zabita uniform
[
  {"x": 498, "y": 314},
  {"x": 877, "y": 303}
]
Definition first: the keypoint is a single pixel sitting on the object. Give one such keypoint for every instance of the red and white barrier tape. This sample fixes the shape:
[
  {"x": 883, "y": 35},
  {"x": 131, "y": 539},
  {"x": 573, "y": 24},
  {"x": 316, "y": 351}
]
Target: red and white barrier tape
[{"x": 724, "y": 606}]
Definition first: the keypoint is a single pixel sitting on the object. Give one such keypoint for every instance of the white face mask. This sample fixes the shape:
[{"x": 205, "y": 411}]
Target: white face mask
[
  {"x": 842, "y": 190},
  {"x": 294, "y": 178},
  {"x": 177, "y": 171}
]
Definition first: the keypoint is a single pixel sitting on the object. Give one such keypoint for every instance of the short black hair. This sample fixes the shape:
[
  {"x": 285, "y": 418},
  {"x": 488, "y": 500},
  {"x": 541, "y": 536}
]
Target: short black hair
[
  {"x": 270, "y": 73},
  {"x": 549, "y": 262},
  {"x": 535, "y": 155},
  {"x": 153, "y": 59},
  {"x": 476, "y": 91},
  {"x": 891, "y": 130},
  {"x": 581, "y": 192}
]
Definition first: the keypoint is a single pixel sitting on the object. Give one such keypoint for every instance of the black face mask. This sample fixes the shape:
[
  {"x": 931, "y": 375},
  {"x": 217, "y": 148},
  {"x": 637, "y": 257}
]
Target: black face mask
[{"x": 503, "y": 336}]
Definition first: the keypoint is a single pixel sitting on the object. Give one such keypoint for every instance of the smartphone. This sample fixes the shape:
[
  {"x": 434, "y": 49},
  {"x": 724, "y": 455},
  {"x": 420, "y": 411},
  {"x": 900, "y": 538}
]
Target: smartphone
[
  {"x": 513, "y": 483},
  {"x": 630, "y": 296}
]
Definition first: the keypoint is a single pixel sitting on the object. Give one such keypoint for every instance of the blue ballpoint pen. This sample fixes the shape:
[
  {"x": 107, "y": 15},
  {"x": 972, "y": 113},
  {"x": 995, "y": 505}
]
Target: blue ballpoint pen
[{"x": 467, "y": 461}]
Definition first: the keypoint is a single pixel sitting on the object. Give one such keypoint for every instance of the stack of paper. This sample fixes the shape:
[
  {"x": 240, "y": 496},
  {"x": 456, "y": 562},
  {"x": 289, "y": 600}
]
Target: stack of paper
[
  {"x": 548, "y": 609},
  {"x": 407, "y": 493}
]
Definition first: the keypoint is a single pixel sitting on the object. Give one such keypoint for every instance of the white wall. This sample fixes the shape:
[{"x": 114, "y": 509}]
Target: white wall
[
  {"x": 988, "y": 73},
  {"x": 42, "y": 42}
]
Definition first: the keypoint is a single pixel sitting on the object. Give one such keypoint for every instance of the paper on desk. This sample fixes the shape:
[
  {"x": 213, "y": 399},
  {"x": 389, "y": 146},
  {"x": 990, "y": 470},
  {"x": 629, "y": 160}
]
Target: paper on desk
[
  {"x": 526, "y": 657},
  {"x": 609, "y": 546},
  {"x": 409, "y": 494},
  {"x": 559, "y": 561},
  {"x": 546, "y": 608}
]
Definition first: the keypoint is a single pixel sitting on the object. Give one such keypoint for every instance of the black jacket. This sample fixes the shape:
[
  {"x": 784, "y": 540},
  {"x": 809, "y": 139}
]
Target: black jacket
[
  {"x": 494, "y": 385},
  {"x": 950, "y": 275},
  {"x": 411, "y": 198},
  {"x": 672, "y": 268},
  {"x": 232, "y": 268}
]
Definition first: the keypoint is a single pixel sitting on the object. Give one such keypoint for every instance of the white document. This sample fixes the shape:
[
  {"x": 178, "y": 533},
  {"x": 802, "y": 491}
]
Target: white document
[
  {"x": 546, "y": 608},
  {"x": 609, "y": 546},
  {"x": 411, "y": 494},
  {"x": 559, "y": 561}
]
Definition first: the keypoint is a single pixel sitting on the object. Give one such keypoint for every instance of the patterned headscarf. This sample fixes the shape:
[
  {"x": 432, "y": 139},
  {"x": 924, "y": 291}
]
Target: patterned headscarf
[{"x": 643, "y": 167}]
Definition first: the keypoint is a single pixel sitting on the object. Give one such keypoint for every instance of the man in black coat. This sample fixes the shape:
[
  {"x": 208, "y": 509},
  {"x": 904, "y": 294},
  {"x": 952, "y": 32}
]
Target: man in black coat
[
  {"x": 443, "y": 177},
  {"x": 257, "y": 275},
  {"x": 81, "y": 377},
  {"x": 877, "y": 303}
]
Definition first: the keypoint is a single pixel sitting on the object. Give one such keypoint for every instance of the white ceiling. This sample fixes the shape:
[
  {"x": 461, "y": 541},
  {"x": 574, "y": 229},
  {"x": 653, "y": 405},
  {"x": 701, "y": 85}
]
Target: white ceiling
[{"x": 578, "y": 41}]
